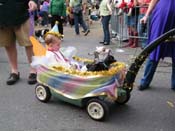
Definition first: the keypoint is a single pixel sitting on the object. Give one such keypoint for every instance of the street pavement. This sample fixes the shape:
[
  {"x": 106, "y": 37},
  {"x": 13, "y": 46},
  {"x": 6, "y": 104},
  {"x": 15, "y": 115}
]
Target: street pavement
[{"x": 149, "y": 110}]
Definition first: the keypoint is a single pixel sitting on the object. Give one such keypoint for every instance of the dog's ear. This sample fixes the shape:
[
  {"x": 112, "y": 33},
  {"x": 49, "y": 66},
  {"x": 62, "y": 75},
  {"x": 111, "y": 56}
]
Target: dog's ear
[
  {"x": 110, "y": 59},
  {"x": 38, "y": 33},
  {"x": 45, "y": 31}
]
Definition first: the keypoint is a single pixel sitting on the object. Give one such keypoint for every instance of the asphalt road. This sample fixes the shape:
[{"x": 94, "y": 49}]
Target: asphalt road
[{"x": 150, "y": 110}]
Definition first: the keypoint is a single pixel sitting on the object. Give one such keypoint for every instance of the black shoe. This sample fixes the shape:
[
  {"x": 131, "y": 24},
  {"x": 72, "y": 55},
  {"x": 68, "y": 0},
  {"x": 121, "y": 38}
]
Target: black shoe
[
  {"x": 32, "y": 78},
  {"x": 86, "y": 32},
  {"x": 141, "y": 88},
  {"x": 106, "y": 43},
  {"x": 13, "y": 78},
  {"x": 101, "y": 42}
]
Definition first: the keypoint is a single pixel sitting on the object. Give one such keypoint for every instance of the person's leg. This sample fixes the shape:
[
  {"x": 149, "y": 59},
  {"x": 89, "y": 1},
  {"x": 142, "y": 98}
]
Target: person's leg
[
  {"x": 22, "y": 35},
  {"x": 86, "y": 18},
  {"x": 29, "y": 53},
  {"x": 45, "y": 18},
  {"x": 130, "y": 39},
  {"x": 173, "y": 76},
  {"x": 133, "y": 23},
  {"x": 107, "y": 31},
  {"x": 76, "y": 24},
  {"x": 81, "y": 21},
  {"x": 32, "y": 74},
  {"x": 130, "y": 33},
  {"x": 55, "y": 18},
  {"x": 103, "y": 26},
  {"x": 12, "y": 57},
  {"x": 83, "y": 24},
  {"x": 52, "y": 20},
  {"x": 135, "y": 39},
  {"x": 8, "y": 42},
  {"x": 150, "y": 69},
  {"x": 60, "y": 25},
  {"x": 106, "y": 20}
]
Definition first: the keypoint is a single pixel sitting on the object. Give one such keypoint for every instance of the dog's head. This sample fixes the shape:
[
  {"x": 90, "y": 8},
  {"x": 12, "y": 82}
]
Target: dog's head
[
  {"x": 41, "y": 33},
  {"x": 109, "y": 60},
  {"x": 103, "y": 60},
  {"x": 104, "y": 65},
  {"x": 101, "y": 53}
]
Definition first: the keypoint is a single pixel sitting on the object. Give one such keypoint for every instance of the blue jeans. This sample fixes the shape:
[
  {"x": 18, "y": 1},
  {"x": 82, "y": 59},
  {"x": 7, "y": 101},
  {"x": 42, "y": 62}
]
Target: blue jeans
[
  {"x": 150, "y": 69},
  {"x": 105, "y": 22},
  {"x": 78, "y": 19}
]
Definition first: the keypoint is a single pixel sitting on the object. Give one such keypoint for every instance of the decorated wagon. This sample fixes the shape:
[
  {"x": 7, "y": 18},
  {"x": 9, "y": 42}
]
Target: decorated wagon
[{"x": 93, "y": 90}]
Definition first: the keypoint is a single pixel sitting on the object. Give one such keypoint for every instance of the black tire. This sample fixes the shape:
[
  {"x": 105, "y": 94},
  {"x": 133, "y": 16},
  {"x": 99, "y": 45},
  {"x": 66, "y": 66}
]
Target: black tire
[
  {"x": 124, "y": 98},
  {"x": 42, "y": 93},
  {"x": 97, "y": 109}
]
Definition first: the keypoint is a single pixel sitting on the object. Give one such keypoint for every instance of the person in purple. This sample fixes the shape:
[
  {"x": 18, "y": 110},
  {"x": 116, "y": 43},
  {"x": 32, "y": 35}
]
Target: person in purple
[{"x": 162, "y": 19}]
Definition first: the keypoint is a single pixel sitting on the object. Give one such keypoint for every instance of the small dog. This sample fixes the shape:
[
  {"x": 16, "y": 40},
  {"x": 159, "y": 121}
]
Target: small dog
[
  {"x": 102, "y": 61},
  {"x": 40, "y": 34}
]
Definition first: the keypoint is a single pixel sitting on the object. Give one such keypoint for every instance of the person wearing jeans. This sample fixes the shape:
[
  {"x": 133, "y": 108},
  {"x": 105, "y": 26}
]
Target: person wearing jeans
[
  {"x": 105, "y": 22},
  {"x": 78, "y": 9},
  {"x": 150, "y": 69},
  {"x": 159, "y": 24},
  {"x": 78, "y": 19},
  {"x": 105, "y": 13}
]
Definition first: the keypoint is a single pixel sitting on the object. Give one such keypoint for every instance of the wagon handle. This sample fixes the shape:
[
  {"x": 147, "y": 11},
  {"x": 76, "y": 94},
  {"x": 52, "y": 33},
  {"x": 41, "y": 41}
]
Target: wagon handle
[{"x": 135, "y": 66}]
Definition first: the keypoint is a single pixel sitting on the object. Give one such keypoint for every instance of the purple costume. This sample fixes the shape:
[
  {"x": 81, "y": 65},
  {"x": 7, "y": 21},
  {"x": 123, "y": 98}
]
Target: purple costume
[{"x": 162, "y": 20}]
